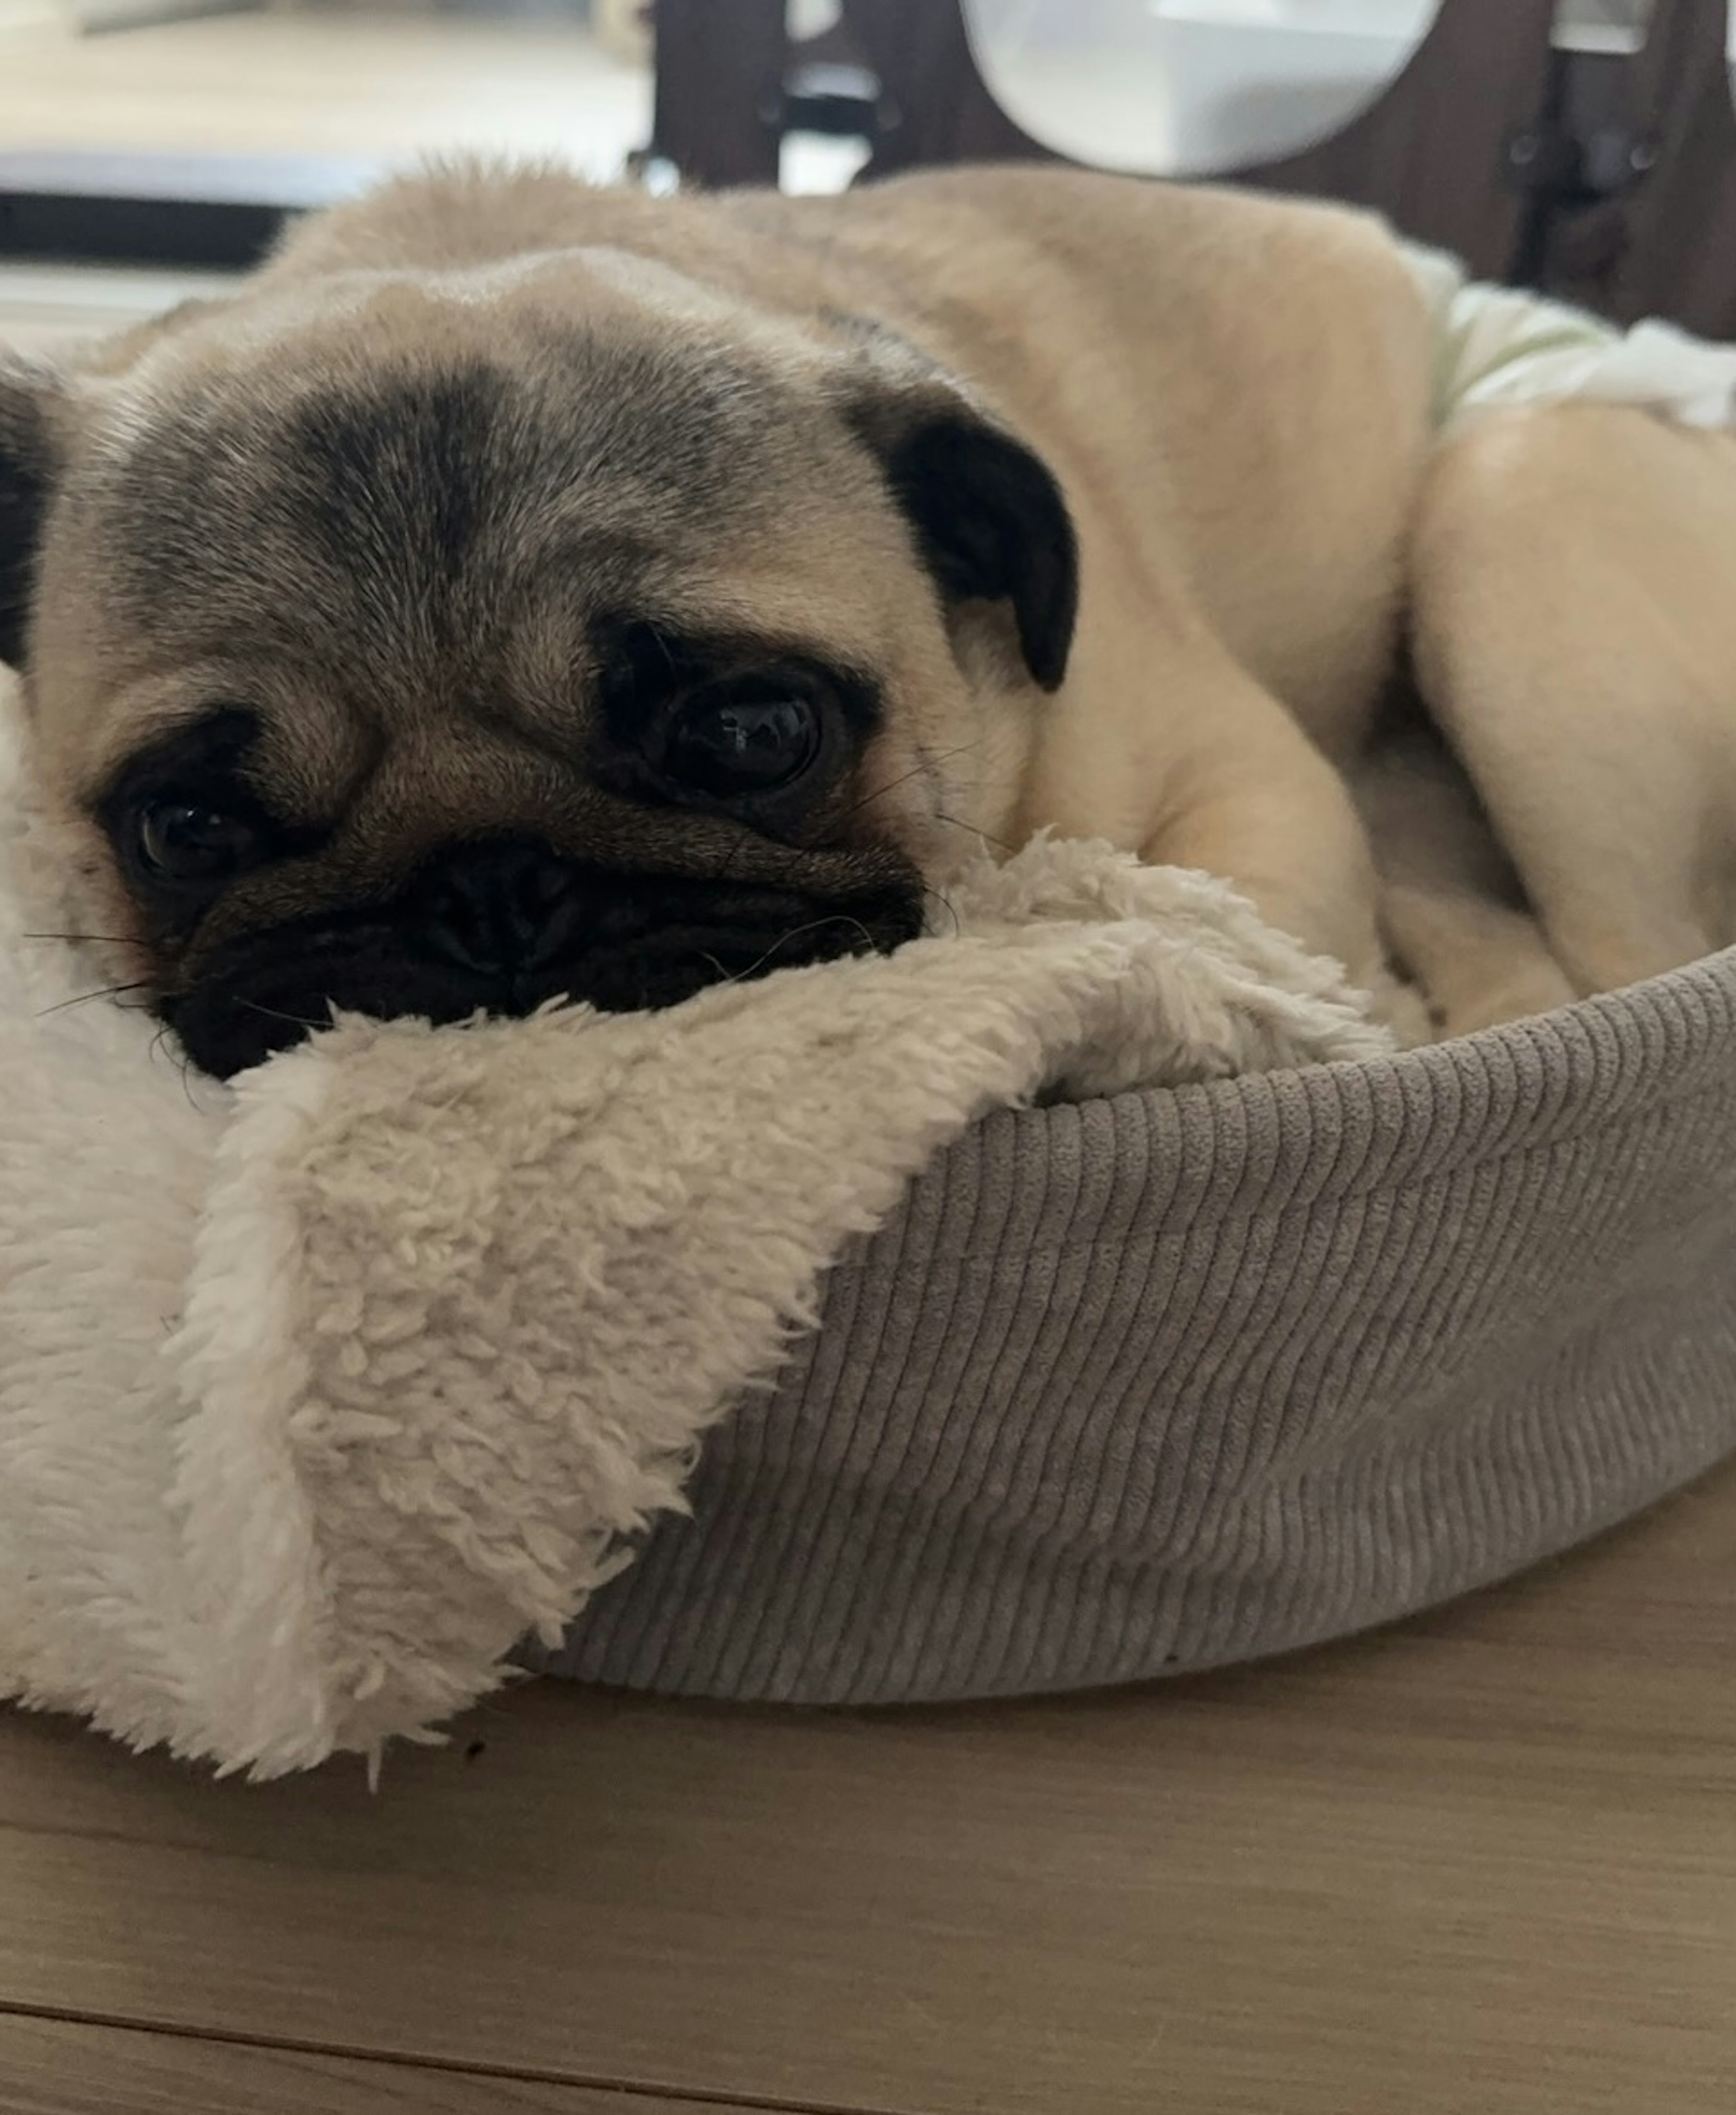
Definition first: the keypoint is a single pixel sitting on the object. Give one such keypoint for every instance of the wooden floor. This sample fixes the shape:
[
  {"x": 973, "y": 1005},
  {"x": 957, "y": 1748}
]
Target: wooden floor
[{"x": 1483, "y": 1865}]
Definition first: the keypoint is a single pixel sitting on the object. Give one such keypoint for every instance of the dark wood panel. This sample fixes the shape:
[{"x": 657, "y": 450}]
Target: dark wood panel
[
  {"x": 720, "y": 75},
  {"x": 1434, "y": 151},
  {"x": 1655, "y": 235}
]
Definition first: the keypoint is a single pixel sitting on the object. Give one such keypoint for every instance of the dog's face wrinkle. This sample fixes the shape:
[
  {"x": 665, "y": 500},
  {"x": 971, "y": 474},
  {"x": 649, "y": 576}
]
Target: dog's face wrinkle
[
  {"x": 405, "y": 504},
  {"x": 643, "y": 661},
  {"x": 401, "y": 470},
  {"x": 212, "y": 747}
]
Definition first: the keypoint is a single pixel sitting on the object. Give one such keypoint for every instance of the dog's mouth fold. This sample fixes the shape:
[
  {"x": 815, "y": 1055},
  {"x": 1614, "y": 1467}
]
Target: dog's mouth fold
[{"x": 448, "y": 953}]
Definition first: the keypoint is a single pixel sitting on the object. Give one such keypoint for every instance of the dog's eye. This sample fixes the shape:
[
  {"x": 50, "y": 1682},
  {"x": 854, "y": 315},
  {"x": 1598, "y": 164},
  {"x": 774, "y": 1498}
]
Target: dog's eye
[
  {"x": 185, "y": 841},
  {"x": 736, "y": 741}
]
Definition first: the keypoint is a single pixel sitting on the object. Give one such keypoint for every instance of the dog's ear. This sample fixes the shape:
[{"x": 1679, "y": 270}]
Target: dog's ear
[
  {"x": 28, "y": 398},
  {"x": 989, "y": 516}
]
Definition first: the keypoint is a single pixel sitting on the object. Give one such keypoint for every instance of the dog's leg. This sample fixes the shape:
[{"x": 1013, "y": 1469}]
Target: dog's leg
[
  {"x": 1450, "y": 905},
  {"x": 1574, "y": 622},
  {"x": 1282, "y": 829},
  {"x": 1211, "y": 771}
]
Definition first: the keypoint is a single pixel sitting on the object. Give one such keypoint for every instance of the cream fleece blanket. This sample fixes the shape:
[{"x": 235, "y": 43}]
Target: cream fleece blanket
[
  {"x": 318, "y": 1397},
  {"x": 1497, "y": 347}
]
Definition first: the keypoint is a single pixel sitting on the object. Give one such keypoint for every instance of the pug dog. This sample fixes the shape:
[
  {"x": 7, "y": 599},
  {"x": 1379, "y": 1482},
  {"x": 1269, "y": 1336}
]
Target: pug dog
[{"x": 517, "y": 591}]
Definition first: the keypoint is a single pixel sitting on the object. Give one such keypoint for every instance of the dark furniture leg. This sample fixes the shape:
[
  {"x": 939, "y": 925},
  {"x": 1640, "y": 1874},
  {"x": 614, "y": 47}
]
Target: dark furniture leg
[
  {"x": 721, "y": 66},
  {"x": 1437, "y": 153},
  {"x": 1648, "y": 227}
]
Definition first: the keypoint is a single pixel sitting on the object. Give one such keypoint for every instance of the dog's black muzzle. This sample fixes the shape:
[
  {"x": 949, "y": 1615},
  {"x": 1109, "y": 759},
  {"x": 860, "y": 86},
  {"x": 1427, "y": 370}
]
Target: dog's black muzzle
[{"x": 503, "y": 929}]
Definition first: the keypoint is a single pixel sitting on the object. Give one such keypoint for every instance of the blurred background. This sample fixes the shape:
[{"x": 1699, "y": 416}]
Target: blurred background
[
  {"x": 146, "y": 143},
  {"x": 1163, "y": 86}
]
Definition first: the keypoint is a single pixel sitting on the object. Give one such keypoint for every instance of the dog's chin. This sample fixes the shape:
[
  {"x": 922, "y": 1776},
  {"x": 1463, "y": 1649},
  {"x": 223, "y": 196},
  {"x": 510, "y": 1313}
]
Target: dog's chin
[{"x": 284, "y": 989}]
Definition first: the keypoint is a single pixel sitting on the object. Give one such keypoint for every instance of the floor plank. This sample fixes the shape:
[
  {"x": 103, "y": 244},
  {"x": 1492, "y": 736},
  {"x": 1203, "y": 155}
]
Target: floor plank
[
  {"x": 1487, "y": 1861},
  {"x": 72, "y": 2067}
]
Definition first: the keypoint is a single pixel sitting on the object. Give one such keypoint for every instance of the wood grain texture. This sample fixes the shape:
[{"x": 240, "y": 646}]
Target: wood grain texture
[
  {"x": 1486, "y": 1862},
  {"x": 70, "y": 2067}
]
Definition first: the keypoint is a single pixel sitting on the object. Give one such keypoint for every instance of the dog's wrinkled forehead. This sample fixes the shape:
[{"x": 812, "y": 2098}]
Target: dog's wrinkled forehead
[
  {"x": 361, "y": 494},
  {"x": 390, "y": 483}
]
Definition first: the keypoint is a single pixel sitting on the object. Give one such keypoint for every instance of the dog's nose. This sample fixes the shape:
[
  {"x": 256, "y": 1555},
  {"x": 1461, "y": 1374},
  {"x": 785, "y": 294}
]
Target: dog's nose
[{"x": 494, "y": 909}]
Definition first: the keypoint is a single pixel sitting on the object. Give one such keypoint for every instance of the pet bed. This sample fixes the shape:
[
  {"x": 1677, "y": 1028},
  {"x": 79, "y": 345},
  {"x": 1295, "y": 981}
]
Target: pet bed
[
  {"x": 318, "y": 1397},
  {"x": 1169, "y": 1379}
]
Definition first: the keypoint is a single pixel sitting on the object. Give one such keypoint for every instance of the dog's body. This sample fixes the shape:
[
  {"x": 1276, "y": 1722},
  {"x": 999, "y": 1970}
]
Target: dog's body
[{"x": 1050, "y": 499}]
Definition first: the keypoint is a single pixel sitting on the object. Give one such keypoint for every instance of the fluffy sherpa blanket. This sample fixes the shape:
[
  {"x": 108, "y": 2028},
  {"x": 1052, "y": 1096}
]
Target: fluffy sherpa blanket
[{"x": 317, "y": 1396}]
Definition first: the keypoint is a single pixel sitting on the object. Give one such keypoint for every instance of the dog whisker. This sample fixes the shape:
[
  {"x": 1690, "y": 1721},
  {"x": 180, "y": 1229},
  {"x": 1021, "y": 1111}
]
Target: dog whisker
[
  {"x": 929, "y": 764},
  {"x": 946, "y": 903},
  {"x": 819, "y": 925},
  {"x": 271, "y": 1013},
  {"x": 783, "y": 940},
  {"x": 727, "y": 871},
  {"x": 183, "y": 1064},
  {"x": 84, "y": 998},
  {"x": 956, "y": 823}
]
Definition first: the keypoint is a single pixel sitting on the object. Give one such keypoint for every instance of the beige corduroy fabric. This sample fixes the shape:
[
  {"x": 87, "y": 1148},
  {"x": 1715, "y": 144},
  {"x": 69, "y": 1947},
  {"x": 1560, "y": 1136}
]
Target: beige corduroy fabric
[{"x": 1149, "y": 1383}]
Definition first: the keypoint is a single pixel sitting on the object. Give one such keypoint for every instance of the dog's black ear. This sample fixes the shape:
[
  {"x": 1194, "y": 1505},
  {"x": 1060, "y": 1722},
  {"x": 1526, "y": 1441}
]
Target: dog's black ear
[
  {"x": 990, "y": 518},
  {"x": 28, "y": 395}
]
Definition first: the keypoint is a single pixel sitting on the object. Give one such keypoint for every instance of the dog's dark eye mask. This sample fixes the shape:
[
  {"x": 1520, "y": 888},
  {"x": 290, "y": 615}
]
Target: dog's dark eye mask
[
  {"x": 716, "y": 725},
  {"x": 506, "y": 922},
  {"x": 185, "y": 820},
  {"x": 708, "y": 725}
]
